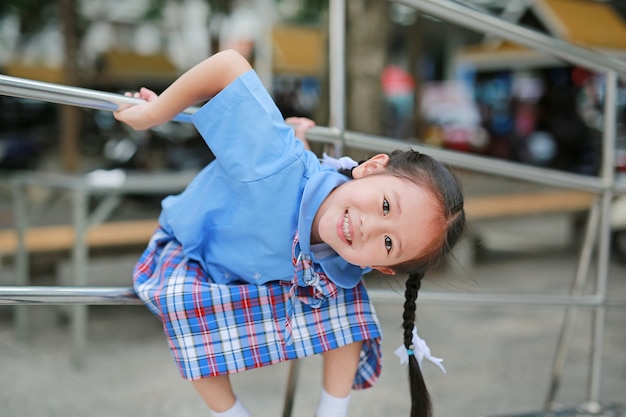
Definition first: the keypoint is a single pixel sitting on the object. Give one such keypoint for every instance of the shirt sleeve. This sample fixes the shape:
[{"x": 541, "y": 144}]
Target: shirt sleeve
[{"x": 246, "y": 131}]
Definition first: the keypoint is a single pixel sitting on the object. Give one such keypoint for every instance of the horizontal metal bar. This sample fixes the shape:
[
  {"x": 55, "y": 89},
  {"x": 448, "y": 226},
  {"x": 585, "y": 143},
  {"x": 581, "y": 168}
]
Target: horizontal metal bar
[
  {"x": 83, "y": 97},
  {"x": 101, "y": 100},
  {"x": 462, "y": 15},
  {"x": 37, "y": 295},
  {"x": 481, "y": 164},
  {"x": 34, "y": 295},
  {"x": 73, "y": 96},
  {"x": 504, "y": 299}
]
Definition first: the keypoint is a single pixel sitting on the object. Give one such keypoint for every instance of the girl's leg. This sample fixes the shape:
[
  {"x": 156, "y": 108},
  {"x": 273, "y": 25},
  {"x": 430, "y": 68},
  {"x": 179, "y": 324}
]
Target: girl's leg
[
  {"x": 217, "y": 393},
  {"x": 340, "y": 366}
]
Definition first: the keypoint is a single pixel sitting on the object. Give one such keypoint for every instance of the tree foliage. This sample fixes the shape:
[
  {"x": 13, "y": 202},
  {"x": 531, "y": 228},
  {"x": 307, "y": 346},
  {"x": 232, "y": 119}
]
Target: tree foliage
[{"x": 33, "y": 15}]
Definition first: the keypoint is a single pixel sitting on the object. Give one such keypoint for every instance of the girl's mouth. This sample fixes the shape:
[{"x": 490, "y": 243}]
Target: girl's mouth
[{"x": 346, "y": 228}]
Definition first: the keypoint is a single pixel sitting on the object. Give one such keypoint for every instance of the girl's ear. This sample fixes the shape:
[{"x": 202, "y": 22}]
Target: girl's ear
[
  {"x": 384, "y": 270},
  {"x": 375, "y": 164}
]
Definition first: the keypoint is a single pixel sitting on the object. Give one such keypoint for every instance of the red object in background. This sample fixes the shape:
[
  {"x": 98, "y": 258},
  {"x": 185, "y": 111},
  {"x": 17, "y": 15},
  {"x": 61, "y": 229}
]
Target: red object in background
[
  {"x": 396, "y": 81},
  {"x": 580, "y": 75},
  {"x": 620, "y": 160}
]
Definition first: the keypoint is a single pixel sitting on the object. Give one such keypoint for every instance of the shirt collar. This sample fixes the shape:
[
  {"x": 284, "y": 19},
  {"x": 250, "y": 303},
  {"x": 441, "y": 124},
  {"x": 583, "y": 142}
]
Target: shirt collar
[{"x": 316, "y": 190}]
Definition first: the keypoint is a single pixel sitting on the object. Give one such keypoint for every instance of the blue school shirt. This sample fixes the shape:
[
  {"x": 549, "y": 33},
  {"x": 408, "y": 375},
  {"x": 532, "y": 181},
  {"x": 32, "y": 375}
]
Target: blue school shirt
[{"x": 238, "y": 217}]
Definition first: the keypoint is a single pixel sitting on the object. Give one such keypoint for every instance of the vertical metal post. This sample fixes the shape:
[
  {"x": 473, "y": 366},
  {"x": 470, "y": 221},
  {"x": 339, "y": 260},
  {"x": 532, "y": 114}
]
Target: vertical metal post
[
  {"x": 337, "y": 68},
  {"x": 292, "y": 382},
  {"x": 582, "y": 273},
  {"x": 264, "y": 48},
  {"x": 21, "y": 254},
  {"x": 608, "y": 177},
  {"x": 79, "y": 271}
]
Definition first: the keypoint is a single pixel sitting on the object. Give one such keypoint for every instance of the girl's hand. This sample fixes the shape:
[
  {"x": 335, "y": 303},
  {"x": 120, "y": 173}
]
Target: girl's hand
[
  {"x": 301, "y": 125},
  {"x": 138, "y": 116}
]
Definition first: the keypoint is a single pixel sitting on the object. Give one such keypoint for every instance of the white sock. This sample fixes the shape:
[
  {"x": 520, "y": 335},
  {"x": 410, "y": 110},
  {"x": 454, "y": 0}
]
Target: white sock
[
  {"x": 330, "y": 406},
  {"x": 237, "y": 410}
]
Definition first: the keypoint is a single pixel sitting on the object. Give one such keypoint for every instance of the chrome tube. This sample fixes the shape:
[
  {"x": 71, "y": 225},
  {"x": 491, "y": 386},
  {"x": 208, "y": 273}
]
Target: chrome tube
[
  {"x": 73, "y": 96},
  {"x": 73, "y": 295},
  {"x": 480, "y": 164},
  {"x": 35, "y": 295},
  {"x": 337, "y": 70},
  {"x": 337, "y": 63}
]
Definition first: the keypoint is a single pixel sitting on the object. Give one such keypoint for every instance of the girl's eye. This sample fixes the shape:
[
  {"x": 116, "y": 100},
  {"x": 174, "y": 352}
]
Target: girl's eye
[
  {"x": 385, "y": 206},
  {"x": 388, "y": 244}
]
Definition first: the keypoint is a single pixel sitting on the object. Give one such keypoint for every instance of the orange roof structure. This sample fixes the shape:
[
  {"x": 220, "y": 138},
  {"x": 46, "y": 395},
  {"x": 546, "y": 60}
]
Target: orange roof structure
[
  {"x": 585, "y": 23},
  {"x": 298, "y": 50}
]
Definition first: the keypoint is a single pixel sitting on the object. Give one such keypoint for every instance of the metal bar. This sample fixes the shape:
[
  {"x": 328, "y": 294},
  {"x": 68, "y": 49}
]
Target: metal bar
[
  {"x": 73, "y": 96},
  {"x": 337, "y": 64},
  {"x": 462, "y": 15},
  {"x": 36, "y": 295},
  {"x": 21, "y": 255},
  {"x": 608, "y": 175},
  {"x": 582, "y": 273},
  {"x": 104, "y": 209},
  {"x": 503, "y": 299},
  {"x": 337, "y": 69},
  {"x": 480, "y": 164},
  {"x": 290, "y": 391},
  {"x": 79, "y": 314}
]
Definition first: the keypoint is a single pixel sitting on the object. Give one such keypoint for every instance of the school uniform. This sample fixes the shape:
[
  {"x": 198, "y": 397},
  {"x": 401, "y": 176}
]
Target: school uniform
[{"x": 231, "y": 271}]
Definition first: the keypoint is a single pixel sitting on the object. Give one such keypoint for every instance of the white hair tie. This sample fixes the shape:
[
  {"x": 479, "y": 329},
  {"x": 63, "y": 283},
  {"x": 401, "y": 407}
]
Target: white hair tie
[
  {"x": 345, "y": 162},
  {"x": 420, "y": 350}
]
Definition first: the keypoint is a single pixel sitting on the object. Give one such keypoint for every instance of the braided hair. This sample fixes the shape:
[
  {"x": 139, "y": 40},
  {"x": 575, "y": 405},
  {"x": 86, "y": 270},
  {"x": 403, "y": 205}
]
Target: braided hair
[
  {"x": 433, "y": 176},
  {"x": 420, "y": 399}
]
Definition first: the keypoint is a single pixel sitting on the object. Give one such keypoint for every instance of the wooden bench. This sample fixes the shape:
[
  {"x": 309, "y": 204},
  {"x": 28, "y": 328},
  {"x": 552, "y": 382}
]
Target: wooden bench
[
  {"x": 136, "y": 232},
  {"x": 43, "y": 239},
  {"x": 536, "y": 203},
  {"x": 49, "y": 239},
  {"x": 481, "y": 209}
]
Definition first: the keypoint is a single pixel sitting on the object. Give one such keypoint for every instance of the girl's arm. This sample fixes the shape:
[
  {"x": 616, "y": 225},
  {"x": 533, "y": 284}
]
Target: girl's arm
[{"x": 200, "y": 83}]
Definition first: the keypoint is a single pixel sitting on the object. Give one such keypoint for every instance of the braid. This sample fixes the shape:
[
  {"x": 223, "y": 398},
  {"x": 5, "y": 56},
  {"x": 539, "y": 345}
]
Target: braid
[{"x": 420, "y": 399}]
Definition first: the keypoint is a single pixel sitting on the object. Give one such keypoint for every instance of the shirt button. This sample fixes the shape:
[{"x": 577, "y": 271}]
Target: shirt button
[
  {"x": 226, "y": 275},
  {"x": 256, "y": 276}
]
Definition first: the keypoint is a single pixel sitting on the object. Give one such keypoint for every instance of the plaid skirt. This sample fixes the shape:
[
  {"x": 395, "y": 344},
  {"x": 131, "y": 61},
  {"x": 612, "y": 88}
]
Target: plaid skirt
[{"x": 216, "y": 329}]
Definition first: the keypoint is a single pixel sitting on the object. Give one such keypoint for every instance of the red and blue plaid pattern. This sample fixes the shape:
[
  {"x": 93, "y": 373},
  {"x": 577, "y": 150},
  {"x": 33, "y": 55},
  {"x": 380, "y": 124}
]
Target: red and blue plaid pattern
[{"x": 215, "y": 329}]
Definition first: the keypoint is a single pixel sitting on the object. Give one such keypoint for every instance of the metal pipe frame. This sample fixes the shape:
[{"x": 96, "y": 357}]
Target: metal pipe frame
[
  {"x": 73, "y": 96},
  {"x": 22, "y": 295}
]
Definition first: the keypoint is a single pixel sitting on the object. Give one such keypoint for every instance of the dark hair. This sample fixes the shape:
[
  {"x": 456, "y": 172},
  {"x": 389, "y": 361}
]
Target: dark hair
[
  {"x": 437, "y": 179},
  {"x": 433, "y": 176}
]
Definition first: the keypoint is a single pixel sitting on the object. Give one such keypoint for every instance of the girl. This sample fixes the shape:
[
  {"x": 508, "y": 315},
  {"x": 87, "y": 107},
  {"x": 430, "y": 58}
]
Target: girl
[{"x": 260, "y": 259}]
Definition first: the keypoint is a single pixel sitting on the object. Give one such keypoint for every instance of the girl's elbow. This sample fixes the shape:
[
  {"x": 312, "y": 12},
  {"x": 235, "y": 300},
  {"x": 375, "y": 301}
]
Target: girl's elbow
[{"x": 235, "y": 61}]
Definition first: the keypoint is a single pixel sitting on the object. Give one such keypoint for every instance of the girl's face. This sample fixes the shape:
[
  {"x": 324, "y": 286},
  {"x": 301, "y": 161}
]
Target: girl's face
[{"x": 378, "y": 220}]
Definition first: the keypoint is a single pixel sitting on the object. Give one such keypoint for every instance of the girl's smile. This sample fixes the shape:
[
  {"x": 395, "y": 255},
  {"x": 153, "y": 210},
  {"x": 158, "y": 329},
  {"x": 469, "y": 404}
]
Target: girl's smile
[{"x": 343, "y": 224}]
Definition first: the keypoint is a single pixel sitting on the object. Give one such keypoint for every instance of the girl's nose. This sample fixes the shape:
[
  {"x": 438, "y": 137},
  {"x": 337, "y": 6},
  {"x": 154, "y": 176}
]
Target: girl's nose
[{"x": 370, "y": 227}]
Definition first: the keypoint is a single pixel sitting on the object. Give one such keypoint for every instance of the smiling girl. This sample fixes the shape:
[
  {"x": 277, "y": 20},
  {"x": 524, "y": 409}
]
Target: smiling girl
[{"x": 260, "y": 260}]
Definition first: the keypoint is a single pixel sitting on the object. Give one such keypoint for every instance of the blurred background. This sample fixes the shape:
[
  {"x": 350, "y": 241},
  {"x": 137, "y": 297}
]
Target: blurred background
[{"x": 415, "y": 78}]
